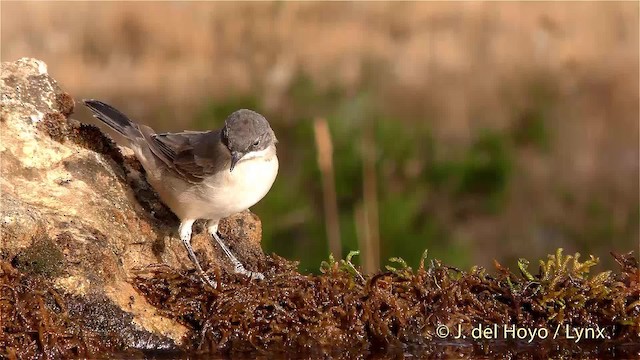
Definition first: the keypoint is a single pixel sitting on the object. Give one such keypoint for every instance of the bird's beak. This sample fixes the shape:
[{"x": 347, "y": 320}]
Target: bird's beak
[{"x": 235, "y": 157}]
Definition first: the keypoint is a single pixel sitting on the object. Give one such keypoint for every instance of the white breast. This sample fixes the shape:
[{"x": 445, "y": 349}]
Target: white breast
[
  {"x": 234, "y": 191},
  {"x": 218, "y": 196},
  {"x": 249, "y": 182}
]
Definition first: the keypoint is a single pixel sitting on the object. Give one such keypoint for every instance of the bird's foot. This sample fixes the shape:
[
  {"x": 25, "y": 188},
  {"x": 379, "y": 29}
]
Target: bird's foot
[
  {"x": 238, "y": 268},
  {"x": 207, "y": 281},
  {"x": 185, "y": 236},
  {"x": 253, "y": 275}
]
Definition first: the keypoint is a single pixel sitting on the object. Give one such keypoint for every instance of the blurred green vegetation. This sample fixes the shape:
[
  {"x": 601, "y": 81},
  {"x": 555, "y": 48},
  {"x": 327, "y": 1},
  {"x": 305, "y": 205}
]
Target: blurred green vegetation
[{"x": 423, "y": 190}]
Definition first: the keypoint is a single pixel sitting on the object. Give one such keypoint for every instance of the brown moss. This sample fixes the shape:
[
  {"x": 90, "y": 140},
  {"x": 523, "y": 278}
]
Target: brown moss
[
  {"x": 64, "y": 103},
  {"x": 36, "y": 323},
  {"x": 133, "y": 163},
  {"x": 339, "y": 314},
  {"x": 158, "y": 246},
  {"x": 39, "y": 322},
  {"x": 92, "y": 138},
  {"x": 55, "y": 125}
]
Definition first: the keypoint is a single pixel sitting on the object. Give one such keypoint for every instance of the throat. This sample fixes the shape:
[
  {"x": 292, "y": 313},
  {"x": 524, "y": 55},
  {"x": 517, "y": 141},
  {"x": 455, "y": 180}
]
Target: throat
[
  {"x": 254, "y": 166},
  {"x": 264, "y": 155}
]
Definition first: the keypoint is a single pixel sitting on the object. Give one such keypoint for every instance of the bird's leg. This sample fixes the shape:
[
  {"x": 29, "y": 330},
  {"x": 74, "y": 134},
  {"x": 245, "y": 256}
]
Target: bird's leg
[
  {"x": 185, "y": 236},
  {"x": 212, "y": 228}
]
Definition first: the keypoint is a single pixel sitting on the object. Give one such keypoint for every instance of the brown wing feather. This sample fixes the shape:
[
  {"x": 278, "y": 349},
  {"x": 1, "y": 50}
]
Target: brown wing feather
[{"x": 194, "y": 155}]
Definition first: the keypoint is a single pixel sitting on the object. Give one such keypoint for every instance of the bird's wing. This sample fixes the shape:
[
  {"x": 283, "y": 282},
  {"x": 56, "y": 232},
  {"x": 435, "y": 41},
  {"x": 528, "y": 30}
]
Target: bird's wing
[{"x": 194, "y": 155}]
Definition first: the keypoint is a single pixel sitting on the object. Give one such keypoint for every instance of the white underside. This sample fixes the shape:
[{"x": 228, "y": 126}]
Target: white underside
[{"x": 221, "y": 195}]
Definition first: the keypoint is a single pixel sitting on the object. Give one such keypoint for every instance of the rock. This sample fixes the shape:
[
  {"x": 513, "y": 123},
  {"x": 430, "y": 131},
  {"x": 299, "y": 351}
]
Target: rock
[{"x": 79, "y": 213}]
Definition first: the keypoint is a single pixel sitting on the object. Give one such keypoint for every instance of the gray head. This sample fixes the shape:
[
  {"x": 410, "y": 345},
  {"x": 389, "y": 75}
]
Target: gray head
[{"x": 246, "y": 132}]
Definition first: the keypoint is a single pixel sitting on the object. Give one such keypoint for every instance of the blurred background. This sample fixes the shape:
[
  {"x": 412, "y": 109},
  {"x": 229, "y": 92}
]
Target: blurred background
[{"x": 478, "y": 131}]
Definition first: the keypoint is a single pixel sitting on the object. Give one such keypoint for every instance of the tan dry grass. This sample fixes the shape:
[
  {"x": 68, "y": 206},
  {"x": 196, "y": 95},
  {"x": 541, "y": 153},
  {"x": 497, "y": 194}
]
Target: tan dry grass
[{"x": 186, "y": 51}]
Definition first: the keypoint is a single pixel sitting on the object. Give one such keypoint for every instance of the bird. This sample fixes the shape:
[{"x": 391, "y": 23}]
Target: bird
[{"x": 206, "y": 175}]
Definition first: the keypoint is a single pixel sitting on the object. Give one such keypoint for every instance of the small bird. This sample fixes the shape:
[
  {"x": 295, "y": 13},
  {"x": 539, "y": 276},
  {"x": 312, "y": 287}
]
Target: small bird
[{"x": 203, "y": 174}]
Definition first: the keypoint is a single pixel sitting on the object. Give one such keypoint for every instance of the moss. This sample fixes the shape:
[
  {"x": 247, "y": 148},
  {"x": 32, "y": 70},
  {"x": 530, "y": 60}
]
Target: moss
[
  {"x": 38, "y": 322},
  {"x": 339, "y": 314},
  {"x": 54, "y": 125},
  {"x": 344, "y": 314},
  {"x": 42, "y": 257},
  {"x": 64, "y": 103},
  {"x": 92, "y": 138}
]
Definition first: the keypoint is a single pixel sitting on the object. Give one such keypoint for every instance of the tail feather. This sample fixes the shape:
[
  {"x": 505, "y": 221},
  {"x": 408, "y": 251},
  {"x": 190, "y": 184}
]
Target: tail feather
[{"x": 113, "y": 118}]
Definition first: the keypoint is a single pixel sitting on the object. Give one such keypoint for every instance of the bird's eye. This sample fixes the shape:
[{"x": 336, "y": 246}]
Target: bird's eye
[{"x": 256, "y": 143}]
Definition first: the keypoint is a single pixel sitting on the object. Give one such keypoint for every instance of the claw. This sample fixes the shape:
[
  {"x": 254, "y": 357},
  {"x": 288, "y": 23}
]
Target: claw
[{"x": 238, "y": 268}]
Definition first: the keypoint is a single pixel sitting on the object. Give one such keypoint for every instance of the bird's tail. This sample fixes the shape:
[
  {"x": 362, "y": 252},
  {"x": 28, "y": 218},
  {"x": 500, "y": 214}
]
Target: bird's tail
[{"x": 113, "y": 118}]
